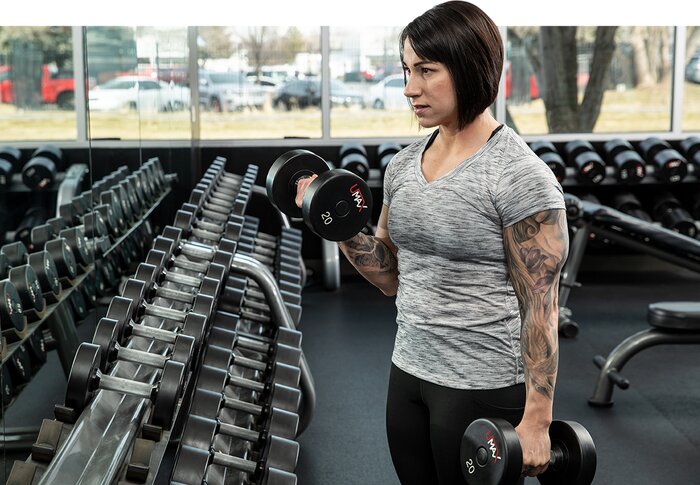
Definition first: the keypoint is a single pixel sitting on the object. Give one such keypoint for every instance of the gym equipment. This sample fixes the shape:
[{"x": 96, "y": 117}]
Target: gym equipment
[
  {"x": 107, "y": 334},
  {"x": 669, "y": 211},
  {"x": 669, "y": 165},
  {"x": 629, "y": 204},
  {"x": 675, "y": 323},
  {"x": 10, "y": 159},
  {"x": 629, "y": 165},
  {"x": 33, "y": 217},
  {"x": 11, "y": 314},
  {"x": 192, "y": 463},
  {"x": 278, "y": 395},
  {"x": 336, "y": 205},
  {"x": 353, "y": 158},
  {"x": 590, "y": 168},
  {"x": 490, "y": 454},
  {"x": 85, "y": 378},
  {"x": 281, "y": 453},
  {"x": 691, "y": 148},
  {"x": 385, "y": 152},
  {"x": 549, "y": 155},
  {"x": 40, "y": 171},
  {"x": 276, "y": 421}
]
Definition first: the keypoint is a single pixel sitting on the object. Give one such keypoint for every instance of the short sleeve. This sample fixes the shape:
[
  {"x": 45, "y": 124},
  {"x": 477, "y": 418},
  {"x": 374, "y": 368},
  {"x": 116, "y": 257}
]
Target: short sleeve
[
  {"x": 526, "y": 186},
  {"x": 389, "y": 181}
]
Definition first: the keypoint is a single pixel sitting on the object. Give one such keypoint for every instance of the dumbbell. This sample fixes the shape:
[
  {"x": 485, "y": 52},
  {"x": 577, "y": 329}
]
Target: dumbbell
[
  {"x": 491, "y": 454},
  {"x": 629, "y": 165},
  {"x": 336, "y": 205},
  {"x": 10, "y": 158},
  {"x": 122, "y": 311},
  {"x": 262, "y": 344},
  {"x": 668, "y": 210},
  {"x": 669, "y": 165},
  {"x": 12, "y": 319},
  {"x": 237, "y": 297},
  {"x": 135, "y": 290},
  {"x": 276, "y": 421},
  {"x": 20, "y": 365},
  {"x": 36, "y": 347},
  {"x": 574, "y": 208},
  {"x": 42, "y": 263},
  {"x": 192, "y": 464},
  {"x": 629, "y": 204},
  {"x": 86, "y": 378},
  {"x": 549, "y": 155},
  {"x": 691, "y": 148},
  {"x": 271, "y": 371},
  {"x": 107, "y": 337},
  {"x": 6, "y": 387},
  {"x": 40, "y": 170},
  {"x": 281, "y": 453},
  {"x": 385, "y": 152},
  {"x": 353, "y": 158},
  {"x": 581, "y": 155},
  {"x": 278, "y": 395},
  {"x": 32, "y": 217}
]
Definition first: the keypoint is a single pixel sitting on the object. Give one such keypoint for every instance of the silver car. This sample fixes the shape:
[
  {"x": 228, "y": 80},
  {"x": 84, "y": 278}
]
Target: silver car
[{"x": 229, "y": 91}]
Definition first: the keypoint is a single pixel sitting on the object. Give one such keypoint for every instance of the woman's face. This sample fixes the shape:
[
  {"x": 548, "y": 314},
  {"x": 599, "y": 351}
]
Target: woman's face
[{"x": 430, "y": 88}]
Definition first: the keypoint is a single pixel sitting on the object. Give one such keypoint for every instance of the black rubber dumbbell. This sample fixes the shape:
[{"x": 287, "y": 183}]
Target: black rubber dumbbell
[
  {"x": 385, "y": 152},
  {"x": 549, "y": 155},
  {"x": 669, "y": 165},
  {"x": 86, "y": 378},
  {"x": 589, "y": 166},
  {"x": 40, "y": 171},
  {"x": 10, "y": 159},
  {"x": 629, "y": 204},
  {"x": 491, "y": 454},
  {"x": 353, "y": 158},
  {"x": 628, "y": 164},
  {"x": 667, "y": 210}
]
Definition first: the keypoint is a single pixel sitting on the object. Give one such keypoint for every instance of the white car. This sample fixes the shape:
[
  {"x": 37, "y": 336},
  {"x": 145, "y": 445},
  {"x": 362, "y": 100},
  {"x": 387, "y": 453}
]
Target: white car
[
  {"x": 388, "y": 93},
  {"x": 138, "y": 93}
]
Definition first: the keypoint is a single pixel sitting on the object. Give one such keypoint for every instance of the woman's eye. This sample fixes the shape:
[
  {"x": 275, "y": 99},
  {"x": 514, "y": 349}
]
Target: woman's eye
[{"x": 425, "y": 70}]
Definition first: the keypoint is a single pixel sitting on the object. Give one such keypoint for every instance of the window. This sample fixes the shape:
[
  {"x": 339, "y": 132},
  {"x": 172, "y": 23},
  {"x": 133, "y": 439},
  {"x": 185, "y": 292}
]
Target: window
[
  {"x": 367, "y": 91},
  {"x": 138, "y": 83},
  {"x": 691, "y": 102},
  {"x": 259, "y": 82},
  {"x": 36, "y": 84},
  {"x": 588, "y": 79}
]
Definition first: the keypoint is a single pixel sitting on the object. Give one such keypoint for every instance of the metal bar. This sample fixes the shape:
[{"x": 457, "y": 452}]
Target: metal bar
[
  {"x": 126, "y": 386},
  {"x": 247, "y": 266},
  {"x": 176, "y": 295},
  {"x": 162, "y": 312},
  {"x": 234, "y": 462},
  {"x": 238, "y": 432},
  {"x": 244, "y": 406},
  {"x": 573, "y": 263},
  {"x": 249, "y": 363},
  {"x": 678, "y": 92},
  {"x": 246, "y": 383},
  {"x": 141, "y": 357}
]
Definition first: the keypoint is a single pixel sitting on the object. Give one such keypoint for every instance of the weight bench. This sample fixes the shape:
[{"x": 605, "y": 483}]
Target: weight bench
[
  {"x": 671, "y": 322},
  {"x": 587, "y": 218}
]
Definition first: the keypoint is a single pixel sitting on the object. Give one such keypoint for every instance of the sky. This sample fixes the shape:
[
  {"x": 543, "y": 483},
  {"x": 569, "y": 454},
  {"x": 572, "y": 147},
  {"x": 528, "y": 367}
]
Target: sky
[{"x": 344, "y": 12}]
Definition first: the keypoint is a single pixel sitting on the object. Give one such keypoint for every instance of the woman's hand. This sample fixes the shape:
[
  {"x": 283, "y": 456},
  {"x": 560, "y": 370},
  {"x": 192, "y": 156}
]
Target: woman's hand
[{"x": 302, "y": 185}]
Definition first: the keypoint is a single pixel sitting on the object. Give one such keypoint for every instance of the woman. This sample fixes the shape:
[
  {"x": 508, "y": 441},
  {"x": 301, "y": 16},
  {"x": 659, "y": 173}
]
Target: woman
[{"x": 471, "y": 239}]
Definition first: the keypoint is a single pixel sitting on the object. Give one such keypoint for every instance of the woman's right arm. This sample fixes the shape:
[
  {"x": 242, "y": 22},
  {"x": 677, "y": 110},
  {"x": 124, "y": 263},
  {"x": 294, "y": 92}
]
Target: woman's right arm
[{"x": 374, "y": 257}]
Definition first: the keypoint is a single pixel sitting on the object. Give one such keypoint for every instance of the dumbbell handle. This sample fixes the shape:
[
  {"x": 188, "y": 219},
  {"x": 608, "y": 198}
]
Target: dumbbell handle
[
  {"x": 238, "y": 432},
  {"x": 249, "y": 363},
  {"x": 243, "y": 406},
  {"x": 254, "y": 317},
  {"x": 250, "y": 344},
  {"x": 141, "y": 330},
  {"x": 233, "y": 462},
  {"x": 177, "y": 295},
  {"x": 191, "y": 266},
  {"x": 141, "y": 357},
  {"x": 162, "y": 312},
  {"x": 126, "y": 386},
  {"x": 182, "y": 279},
  {"x": 246, "y": 383},
  {"x": 195, "y": 250},
  {"x": 202, "y": 234}
]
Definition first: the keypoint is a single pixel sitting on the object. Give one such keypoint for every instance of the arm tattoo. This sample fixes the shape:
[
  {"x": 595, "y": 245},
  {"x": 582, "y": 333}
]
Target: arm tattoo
[
  {"x": 537, "y": 248},
  {"x": 370, "y": 254}
]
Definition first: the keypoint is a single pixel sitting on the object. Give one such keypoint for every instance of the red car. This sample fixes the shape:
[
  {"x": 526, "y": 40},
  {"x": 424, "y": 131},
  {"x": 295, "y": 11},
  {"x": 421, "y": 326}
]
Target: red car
[{"x": 57, "y": 86}]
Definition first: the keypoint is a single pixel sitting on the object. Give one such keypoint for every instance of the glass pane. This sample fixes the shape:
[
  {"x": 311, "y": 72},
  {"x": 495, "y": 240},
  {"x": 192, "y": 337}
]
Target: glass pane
[
  {"x": 589, "y": 79},
  {"x": 138, "y": 83},
  {"x": 36, "y": 84},
  {"x": 691, "y": 102},
  {"x": 259, "y": 82},
  {"x": 367, "y": 90}
]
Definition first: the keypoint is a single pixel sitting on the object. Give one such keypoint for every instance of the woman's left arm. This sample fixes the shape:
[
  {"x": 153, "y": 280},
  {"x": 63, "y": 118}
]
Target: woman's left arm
[{"x": 536, "y": 249}]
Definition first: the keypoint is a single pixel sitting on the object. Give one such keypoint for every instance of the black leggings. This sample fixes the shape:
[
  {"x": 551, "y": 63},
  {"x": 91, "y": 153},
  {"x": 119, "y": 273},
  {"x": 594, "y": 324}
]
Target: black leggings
[{"x": 425, "y": 423}]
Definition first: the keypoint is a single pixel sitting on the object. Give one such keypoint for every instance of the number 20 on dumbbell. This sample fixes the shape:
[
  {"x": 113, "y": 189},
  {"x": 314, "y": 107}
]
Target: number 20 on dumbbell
[{"x": 336, "y": 205}]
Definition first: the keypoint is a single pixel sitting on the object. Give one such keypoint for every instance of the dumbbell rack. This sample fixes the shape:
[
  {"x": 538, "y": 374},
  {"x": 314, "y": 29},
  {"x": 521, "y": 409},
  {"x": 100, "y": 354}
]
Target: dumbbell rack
[
  {"x": 64, "y": 336},
  {"x": 104, "y": 438}
]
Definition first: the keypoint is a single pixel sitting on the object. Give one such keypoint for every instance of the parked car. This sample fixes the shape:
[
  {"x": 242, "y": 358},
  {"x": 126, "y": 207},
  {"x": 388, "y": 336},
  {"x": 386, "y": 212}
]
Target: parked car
[
  {"x": 57, "y": 86},
  {"x": 388, "y": 93},
  {"x": 301, "y": 93},
  {"x": 138, "y": 93},
  {"x": 229, "y": 91},
  {"x": 692, "y": 69}
]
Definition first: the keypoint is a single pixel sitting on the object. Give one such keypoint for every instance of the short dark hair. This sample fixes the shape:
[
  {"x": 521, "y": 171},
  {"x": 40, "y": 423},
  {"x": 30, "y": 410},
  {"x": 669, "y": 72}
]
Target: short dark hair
[{"x": 462, "y": 37}]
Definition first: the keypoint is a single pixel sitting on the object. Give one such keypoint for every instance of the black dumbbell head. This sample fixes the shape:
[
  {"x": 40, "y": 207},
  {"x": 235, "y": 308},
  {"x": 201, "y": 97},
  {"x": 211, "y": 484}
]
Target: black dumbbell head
[
  {"x": 574, "y": 455},
  {"x": 490, "y": 452}
]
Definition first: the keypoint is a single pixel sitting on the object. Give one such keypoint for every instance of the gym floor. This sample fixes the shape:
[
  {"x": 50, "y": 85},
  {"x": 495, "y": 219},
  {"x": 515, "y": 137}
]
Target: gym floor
[{"x": 650, "y": 436}]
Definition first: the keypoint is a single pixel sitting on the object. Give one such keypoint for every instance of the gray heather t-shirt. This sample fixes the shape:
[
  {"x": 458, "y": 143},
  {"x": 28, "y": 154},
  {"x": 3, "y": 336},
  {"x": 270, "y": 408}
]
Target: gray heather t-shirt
[{"x": 458, "y": 318}]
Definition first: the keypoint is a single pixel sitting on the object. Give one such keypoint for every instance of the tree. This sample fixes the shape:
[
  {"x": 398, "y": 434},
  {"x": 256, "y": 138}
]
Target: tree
[
  {"x": 215, "y": 43},
  {"x": 553, "y": 57},
  {"x": 56, "y": 43}
]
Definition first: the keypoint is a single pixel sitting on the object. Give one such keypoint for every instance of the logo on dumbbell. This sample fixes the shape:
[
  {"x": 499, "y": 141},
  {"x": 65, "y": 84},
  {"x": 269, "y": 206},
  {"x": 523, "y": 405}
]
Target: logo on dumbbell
[
  {"x": 493, "y": 446},
  {"x": 356, "y": 193}
]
